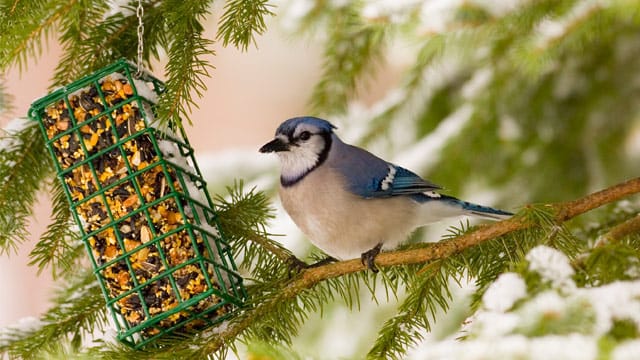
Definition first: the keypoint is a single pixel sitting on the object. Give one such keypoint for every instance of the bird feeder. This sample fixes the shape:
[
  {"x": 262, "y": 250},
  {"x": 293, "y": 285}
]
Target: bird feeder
[{"x": 141, "y": 204}]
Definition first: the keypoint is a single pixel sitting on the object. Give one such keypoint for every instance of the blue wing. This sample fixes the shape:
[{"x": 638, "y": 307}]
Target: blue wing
[
  {"x": 371, "y": 177},
  {"x": 400, "y": 181}
]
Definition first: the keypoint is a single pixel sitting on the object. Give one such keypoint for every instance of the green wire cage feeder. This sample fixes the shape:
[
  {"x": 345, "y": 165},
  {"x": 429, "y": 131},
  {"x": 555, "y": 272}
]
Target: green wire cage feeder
[{"x": 142, "y": 206}]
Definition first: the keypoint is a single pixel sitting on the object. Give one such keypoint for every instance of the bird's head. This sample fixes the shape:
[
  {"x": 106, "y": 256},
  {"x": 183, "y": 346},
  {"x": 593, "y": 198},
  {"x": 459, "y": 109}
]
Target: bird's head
[{"x": 302, "y": 144}]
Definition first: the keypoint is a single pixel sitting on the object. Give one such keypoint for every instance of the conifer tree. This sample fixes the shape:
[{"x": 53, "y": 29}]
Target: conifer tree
[{"x": 532, "y": 102}]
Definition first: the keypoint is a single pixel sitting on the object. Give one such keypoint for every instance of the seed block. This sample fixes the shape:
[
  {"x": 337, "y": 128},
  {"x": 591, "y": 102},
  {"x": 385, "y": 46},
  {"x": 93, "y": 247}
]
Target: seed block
[{"x": 142, "y": 207}]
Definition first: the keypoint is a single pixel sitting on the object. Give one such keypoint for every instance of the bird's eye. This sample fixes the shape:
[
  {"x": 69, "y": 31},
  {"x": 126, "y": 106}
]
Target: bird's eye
[{"x": 305, "y": 135}]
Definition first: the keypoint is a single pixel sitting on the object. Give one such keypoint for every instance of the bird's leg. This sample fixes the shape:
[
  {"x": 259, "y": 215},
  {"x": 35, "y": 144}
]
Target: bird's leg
[{"x": 368, "y": 257}]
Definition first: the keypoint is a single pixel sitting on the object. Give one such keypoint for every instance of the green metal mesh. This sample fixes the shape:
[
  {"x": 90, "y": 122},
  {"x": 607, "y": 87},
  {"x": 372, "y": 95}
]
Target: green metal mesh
[{"x": 142, "y": 206}]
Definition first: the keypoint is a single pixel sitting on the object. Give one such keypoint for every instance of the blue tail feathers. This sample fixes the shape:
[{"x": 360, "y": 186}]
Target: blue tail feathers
[
  {"x": 484, "y": 211},
  {"x": 474, "y": 209}
]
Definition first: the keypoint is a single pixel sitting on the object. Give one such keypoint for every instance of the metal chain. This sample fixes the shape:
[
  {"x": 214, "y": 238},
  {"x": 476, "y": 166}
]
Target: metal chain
[{"x": 140, "y": 14}]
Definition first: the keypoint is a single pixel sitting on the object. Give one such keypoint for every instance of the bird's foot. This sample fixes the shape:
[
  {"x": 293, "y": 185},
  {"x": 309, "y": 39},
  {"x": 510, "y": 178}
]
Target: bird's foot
[
  {"x": 325, "y": 261},
  {"x": 368, "y": 257},
  {"x": 296, "y": 265}
]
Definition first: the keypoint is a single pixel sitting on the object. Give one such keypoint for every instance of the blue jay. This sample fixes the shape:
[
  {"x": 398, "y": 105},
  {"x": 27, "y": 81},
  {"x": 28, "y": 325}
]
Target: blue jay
[{"x": 349, "y": 202}]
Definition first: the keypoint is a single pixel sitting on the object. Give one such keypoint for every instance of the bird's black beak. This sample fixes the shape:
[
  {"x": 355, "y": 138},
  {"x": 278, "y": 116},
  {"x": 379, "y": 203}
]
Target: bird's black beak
[{"x": 274, "y": 145}]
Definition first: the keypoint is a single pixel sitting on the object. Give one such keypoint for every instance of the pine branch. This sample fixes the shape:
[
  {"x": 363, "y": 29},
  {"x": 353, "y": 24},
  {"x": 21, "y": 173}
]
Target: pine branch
[
  {"x": 187, "y": 66},
  {"x": 511, "y": 47},
  {"x": 78, "y": 311},
  {"x": 428, "y": 292},
  {"x": 609, "y": 263},
  {"x": 243, "y": 219},
  {"x": 92, "y": 41},
  {"x": 6, "y": 99},
  {"x": 351, "y": 50},
  {"x": 431, "y": 50},
  {"x": 25, "y": 26},
  {"x": 280, "y": 252},
  {"x": 89, "y": 41},
  {"x": 460, "y": 43},
  {"x": 309, "y": 290},
  {"x": 309, "y": 278},
  {"x": 519, "y": 64},
  {"x": 242, "y": 21},
  {"x": 59, "y": 246},
  {"x": 82, "y": 17},
  {"x": 347, "y": 288},
  {"x": 24, "y": 164},
  {"x": 428, "y": 288},
  {"x": 619, "y": 231}
]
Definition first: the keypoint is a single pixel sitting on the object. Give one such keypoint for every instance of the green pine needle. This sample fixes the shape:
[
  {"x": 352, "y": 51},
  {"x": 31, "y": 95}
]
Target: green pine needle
[
  {"x": 24, "y": 165},
  {"x": 242, "y": 21},
  {"x": 350, "y": 53},
  {"x": 189, "y": 62},
  {"x": 59, "y": 247},
  {"x": 427, "y": 294},
  {"x": 78, "y": 311}
]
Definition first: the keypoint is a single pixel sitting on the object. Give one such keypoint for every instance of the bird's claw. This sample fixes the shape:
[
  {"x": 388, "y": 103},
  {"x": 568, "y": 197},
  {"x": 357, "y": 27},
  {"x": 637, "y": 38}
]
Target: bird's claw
[
  {"x": 368, "y": 258},
  {"x": 325, "y": 261},
  {"x": 298, "y": 265}
]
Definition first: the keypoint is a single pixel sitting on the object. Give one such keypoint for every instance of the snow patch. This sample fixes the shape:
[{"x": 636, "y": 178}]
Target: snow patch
[
  {"x": 216, "y": 330},
  {"x": 490, "y": 325},
  {"x": 548, "y": 304},
  {"x": 627, "y": 351},
  {"x": 435, "y": 15},
  {"x": 551, "y": 29},
  {"x": 504, "y": 292},
  {"x": 616, "y": 301},
  {"x": 497, "y": 330},
  {"x": 552, "y": 265},
  {"x": 509, "y": 129},
  {"x": 570, "y": 347},
  {"x": 25, "y": 325},
  {"x": 294, "y": 12},
  {"x": 145, "y": 91},
  {"x": 120, "y": 7},
  {"x": 395, "y": 11},
  {"x": 359, "y": 115},
  {"x": 478, "y": 82}
]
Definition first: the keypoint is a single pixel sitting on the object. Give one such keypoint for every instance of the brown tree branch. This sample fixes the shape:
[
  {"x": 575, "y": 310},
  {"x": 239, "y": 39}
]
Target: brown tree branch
[
  {"x": 619, "y": 231},
  {"x": 308, "y": 278}
]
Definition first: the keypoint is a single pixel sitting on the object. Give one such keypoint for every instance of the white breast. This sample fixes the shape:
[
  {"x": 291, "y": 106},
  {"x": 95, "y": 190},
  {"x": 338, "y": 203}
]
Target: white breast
[{"x": 342, "y": 224}]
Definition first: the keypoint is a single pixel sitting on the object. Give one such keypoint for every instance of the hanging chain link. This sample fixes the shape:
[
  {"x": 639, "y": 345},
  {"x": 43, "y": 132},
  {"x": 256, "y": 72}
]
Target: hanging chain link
[{"x": 140, "y": 14}]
